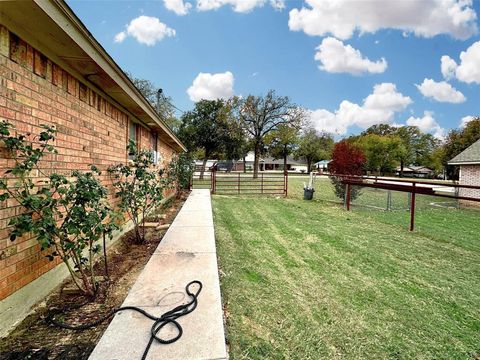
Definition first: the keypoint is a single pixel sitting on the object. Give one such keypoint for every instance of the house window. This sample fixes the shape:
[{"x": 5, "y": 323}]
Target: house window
[
  {"x": 132, "y": 135},
  {"x": 155, "y": 153}
]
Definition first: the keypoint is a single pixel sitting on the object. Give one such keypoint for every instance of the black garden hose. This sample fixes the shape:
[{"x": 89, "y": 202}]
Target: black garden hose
[{"x": 170, "y": 317}]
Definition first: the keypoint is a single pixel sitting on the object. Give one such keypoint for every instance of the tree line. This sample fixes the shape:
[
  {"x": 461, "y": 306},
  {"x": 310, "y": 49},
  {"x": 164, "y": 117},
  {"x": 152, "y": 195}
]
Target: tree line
[{"x": 273, "y": 125}]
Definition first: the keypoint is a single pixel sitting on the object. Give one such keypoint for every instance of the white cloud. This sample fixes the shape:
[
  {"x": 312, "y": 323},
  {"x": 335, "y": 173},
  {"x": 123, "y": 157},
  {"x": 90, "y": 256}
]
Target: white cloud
[
  {"x": 324, "y": 120},
  {"x": 427, "y": 124},
  {"x": 335, "y": 57},
  {"x": 426, "y": 18},
  {"x": 179, "y": 7},
  {"x": 120, "y": 37},
  {"x": 468, "y": 70},
  {"x": 241, "y": 6},
  {"x": 377, "y": 108},
  {"x": 146, "y": 30},
  {"x": 211, "y": 86},
  {"x": 448, "y": 67},
  {"x": 441, "y": 91},
  {"x": 465, "y": 120}
]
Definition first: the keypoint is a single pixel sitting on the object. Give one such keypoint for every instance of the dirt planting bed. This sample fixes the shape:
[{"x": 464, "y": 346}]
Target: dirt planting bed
[{"x": 35, "y": 339}]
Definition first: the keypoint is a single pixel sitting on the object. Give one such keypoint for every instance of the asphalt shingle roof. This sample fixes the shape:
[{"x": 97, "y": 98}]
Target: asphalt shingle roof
[{"x": 469, "y": 155}]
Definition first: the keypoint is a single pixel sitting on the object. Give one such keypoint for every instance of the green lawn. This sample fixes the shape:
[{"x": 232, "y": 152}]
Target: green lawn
[{"x": 308, "y": 280}]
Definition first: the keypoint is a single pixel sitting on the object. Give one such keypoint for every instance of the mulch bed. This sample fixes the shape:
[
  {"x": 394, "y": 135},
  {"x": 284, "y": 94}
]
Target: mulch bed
[{"x": 35, "y": 339}]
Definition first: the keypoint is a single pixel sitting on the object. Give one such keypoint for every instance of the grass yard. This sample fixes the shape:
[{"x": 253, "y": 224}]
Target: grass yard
[{"x": 308, "y": 280}]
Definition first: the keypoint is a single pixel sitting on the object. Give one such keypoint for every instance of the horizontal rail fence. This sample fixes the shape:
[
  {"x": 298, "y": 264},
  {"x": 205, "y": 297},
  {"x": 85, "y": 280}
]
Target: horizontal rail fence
[
  {"x": 441, "y": 189},
  {"x": 246, "y": 184}
]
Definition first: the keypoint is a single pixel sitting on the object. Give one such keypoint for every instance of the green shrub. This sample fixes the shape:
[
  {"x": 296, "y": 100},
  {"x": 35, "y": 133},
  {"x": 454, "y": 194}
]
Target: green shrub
[
  {"x": 139, "y": 186},
  {"x": 66, "y": 214},
  {"x": 180, "y": 171}
]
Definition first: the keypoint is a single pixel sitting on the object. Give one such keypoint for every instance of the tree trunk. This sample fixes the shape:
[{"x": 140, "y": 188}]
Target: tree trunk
[
  {"x": 401, "y": 167},
  {"x": 256, "y": 162},
  {"x": 244, "y": 164},
  {"x": 285, "y": 163},
  {"x": 309, "y": 165},
  {"x": 202, "y": 170}
]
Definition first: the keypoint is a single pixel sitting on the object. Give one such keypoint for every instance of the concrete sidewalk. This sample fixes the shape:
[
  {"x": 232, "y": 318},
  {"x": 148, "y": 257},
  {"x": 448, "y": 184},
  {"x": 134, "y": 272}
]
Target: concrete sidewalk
[{"x": 187, "y": 252}]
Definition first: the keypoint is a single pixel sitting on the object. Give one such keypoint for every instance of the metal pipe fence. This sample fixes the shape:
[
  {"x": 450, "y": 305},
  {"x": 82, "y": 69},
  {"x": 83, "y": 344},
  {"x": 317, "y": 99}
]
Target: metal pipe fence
[
  {"x": 237, "y": 183},
  {"x": 453, "y": 191}
]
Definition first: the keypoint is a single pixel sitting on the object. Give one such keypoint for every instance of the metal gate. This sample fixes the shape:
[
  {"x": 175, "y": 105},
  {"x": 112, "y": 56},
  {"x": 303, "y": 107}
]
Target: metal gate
[{"x": 246, "y": 184}]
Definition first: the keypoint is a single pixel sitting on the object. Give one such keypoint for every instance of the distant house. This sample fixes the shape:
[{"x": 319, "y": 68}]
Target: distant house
[
  {"x": 469, "y": 163},
  {"x": 270, "y": 163},
  {"x": 208, "y": 164},
  {"x": 264, "y": 164},
  {"x": 415, "y": 171},
  {"x": 322, "y": 165},
  {"x": 240, "y": 165}
]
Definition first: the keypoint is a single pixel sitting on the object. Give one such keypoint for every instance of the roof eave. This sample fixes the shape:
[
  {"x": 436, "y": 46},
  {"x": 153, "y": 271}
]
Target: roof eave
[
  {"x": 464, "y": 162},
  {"x": 72, "y": 23}
]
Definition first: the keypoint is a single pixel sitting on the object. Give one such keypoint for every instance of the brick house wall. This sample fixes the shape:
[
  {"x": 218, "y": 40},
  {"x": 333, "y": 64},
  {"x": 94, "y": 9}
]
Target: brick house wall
[
  {"x": 91, "y": 130},
  {"x": 470, "y": 175}
]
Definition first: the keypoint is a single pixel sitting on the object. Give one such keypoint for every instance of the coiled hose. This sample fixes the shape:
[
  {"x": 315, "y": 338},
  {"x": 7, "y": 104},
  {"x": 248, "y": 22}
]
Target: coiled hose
[{"x": 170, "y": 317}]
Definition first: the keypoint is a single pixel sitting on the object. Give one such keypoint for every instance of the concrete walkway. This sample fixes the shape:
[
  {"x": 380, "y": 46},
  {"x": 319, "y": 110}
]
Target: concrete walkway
[{"x": 187, "y": 252}]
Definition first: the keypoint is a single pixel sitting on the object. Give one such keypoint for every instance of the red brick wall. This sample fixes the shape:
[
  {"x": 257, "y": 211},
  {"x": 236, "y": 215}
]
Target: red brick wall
[
  {"x": 91, "y": 130},
  {"x": 470, "y": 175}
]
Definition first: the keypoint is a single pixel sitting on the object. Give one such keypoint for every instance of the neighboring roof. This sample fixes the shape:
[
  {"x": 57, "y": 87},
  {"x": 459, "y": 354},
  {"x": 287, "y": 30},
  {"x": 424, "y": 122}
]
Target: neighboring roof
[
  {"x": 322, "y": 162},
  {"x": 290, "y": 161},
  {"x": 470, "y": 156},
  {"x": 54, "y": 29},
  {"x": 250, "y": 157},
  {"x": 415, "y": 169}
]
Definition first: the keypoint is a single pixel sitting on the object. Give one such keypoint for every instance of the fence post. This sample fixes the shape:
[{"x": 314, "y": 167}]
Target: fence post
[
  {"x": 389, "y": 200},
  {"x": 212, "y": 180},
  {"x": 285, "y": 181},
  {"x": 348, "y": 197},
  {"x": 239, "y": 183},
  {"x": 262, "y": 183},
  {"x": 412, "y": 208}
]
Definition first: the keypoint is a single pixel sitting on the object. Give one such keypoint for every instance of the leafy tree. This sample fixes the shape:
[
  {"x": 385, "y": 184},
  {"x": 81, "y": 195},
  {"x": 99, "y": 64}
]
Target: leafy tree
[
  {"x": 180, "y": 171},
  {"x": 236, "y": 144},
  {"x": 282, "y": 142},
  {"x": 260, "y": 115},
  {"x": 139, "y": 186},
  {"x": 347, "y": 160},
  {"x": 66, "y": 214},
  {"x": 209, "y": 127},
  {"x": 381, "y": 152},
  {"x": 459, "y": 140},
  {"x": 313, "y": 147},
  {"x": 380, "y": 129},
  {"x": 160, "y": 102},
  {"x": 418, "y": 147}
]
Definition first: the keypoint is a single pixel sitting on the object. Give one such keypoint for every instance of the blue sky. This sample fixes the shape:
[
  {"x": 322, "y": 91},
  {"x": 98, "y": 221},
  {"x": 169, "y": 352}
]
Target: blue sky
[{"x": 352, "y": 64}]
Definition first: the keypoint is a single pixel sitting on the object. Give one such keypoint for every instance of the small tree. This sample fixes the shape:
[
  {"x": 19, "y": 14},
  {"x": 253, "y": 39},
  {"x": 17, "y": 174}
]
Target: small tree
[
  {"x": 381, "y": 151},
  {"x": 138, "y": 186},
  {"x": 313, "y": 147},
  {"x": 347, "y": 160},
  {"x": 180, "y": 171},
  {"x": 206, "y": 129},
  {"x": 282, "y": 142},
  {"x": 66, "y": 214}
]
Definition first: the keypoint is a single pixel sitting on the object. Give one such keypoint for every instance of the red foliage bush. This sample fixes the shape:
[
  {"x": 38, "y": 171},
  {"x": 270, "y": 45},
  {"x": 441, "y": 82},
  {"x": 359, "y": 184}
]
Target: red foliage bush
[{"x": 347, "y": 159}]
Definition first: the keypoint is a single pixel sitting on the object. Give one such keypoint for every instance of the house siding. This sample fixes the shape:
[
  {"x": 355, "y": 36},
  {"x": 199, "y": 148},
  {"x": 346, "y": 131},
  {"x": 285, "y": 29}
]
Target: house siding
[
  {"x": 91, "y": 130},
  {"x": 470, "y": 175}
]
